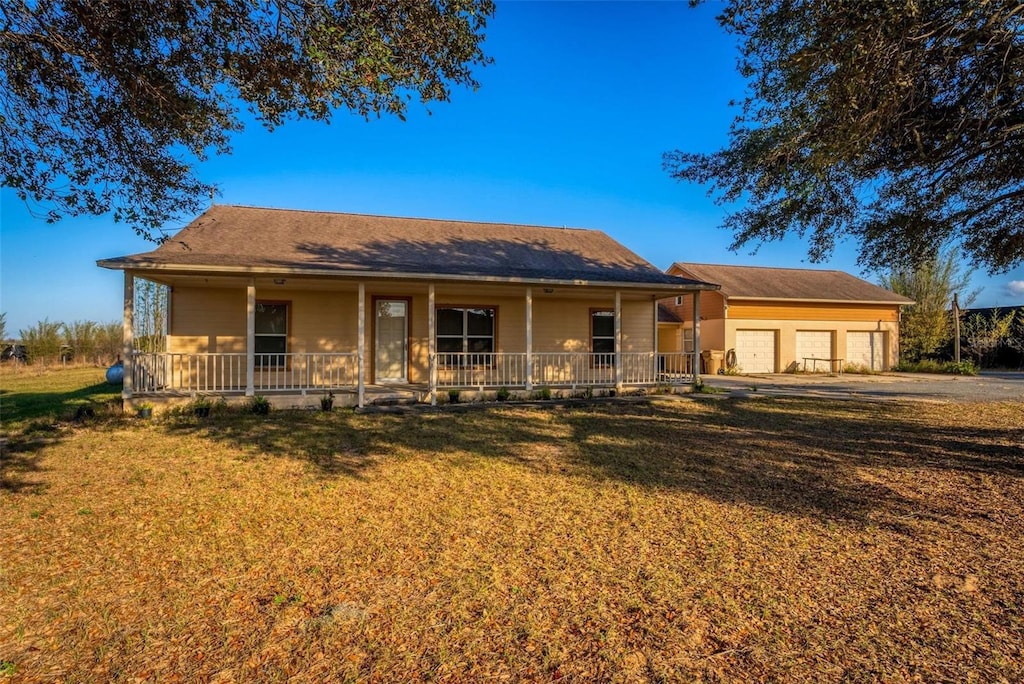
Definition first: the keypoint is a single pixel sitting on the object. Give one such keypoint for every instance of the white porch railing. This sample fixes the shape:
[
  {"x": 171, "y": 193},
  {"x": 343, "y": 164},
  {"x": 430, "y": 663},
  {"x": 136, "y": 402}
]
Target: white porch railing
[
  {"x": 301, "y": 371},
  {"x": 676, "y": 368},
  {"x": 561, "y": 369},
  {"x": 186, "y": 373},
  {"x": 481, "y": 370}
]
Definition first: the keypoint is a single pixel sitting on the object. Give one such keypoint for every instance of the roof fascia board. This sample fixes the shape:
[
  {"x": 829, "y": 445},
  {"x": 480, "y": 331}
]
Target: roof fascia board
[{"x": 818, "y": 301}]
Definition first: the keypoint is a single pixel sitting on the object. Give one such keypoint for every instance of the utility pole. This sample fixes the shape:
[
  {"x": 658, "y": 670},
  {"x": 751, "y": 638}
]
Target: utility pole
[{"x": 956, "y": 329}]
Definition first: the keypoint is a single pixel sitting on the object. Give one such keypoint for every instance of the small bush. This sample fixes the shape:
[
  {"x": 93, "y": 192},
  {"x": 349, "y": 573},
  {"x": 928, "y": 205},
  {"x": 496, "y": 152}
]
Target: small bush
[
  {"x": 200, "y": 406},
  {"x": 327, "y": 401},
  {"x": 503, "y": 394},
  {"x": 962, "y": 368},
  {"x": 858, "y": 369},
  {"x": 453, "y": 396},
  {"x": 259, "y": 405},
  {"x": 544, "y": 393},
  {"x": 921, "y": 366},
  {"x": 932, "y": 366}
]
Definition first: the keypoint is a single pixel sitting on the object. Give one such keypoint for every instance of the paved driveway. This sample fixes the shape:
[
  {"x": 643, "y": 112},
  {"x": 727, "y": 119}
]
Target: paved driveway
[{"x": 989, "y": 386}]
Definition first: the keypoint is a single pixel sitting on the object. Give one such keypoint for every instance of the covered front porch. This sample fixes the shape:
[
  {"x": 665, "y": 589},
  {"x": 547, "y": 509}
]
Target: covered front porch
[{"x": 365, "y": 339}]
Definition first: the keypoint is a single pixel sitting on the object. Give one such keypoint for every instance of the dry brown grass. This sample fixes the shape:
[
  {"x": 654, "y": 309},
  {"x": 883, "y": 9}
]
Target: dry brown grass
[{"x": 704, "y": 539}]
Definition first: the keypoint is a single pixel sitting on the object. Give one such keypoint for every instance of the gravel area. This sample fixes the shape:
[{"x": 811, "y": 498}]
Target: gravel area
[{"x": 989, "y": 386}]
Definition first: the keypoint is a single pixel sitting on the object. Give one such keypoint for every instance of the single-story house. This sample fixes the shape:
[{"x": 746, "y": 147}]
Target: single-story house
[
  {"x": 769, "y": 320},
  {"x": 295, "y": 303}
]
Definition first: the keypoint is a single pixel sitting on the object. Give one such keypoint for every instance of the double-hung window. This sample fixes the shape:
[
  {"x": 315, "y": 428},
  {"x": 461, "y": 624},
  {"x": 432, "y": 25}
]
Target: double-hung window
[
  {"x": 602, "y": 336},
  {"x": 465, "y": 330},
  {"x": 271, "y": 334}
]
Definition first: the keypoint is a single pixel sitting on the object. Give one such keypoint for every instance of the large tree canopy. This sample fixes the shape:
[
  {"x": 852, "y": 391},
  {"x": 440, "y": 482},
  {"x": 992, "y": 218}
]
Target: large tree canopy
[
  {"x": 105, "y": 105},
  {"x": 897, "y": 123}
]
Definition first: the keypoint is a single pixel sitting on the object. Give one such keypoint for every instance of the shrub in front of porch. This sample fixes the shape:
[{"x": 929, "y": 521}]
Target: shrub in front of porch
[{"x": 259, "y": 405}]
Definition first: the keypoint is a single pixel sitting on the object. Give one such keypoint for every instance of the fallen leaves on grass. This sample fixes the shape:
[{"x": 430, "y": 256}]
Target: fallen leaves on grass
[{"x": 673, "y": 540}]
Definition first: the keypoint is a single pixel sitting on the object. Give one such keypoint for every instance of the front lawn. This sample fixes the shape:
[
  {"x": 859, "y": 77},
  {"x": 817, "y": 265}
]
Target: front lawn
[
  {"x": 27, "y": 392},
  {"x": 682, "y": 539}
]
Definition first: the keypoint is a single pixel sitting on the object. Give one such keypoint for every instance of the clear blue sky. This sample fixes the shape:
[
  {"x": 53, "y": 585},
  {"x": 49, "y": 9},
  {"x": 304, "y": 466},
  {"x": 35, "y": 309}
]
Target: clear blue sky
[{"x": 568, "y": 128}]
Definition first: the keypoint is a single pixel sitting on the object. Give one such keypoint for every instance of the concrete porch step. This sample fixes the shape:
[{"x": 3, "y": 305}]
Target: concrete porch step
[{"x": 394, "y": 401}]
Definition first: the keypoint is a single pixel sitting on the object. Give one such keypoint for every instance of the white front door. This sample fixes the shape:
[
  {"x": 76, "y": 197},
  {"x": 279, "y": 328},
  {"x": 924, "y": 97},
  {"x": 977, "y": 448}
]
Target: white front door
[{"x": 391, "y": 343}]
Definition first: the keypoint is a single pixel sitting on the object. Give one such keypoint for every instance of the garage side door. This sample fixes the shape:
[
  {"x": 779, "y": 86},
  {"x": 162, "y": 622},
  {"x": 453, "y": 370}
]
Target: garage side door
[
  {"x": 813, "y": 344},
  {"x": 755, "y": 351},
  {"x": 866, "y": 349}
]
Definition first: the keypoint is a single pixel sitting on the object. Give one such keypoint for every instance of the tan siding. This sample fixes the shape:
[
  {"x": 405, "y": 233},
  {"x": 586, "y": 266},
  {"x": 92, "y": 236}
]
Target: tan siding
[
  {"x": 213, "y": 320},
  {"x": 564, "y": 325},
  {"x": 712, "y": 334},
  {"x": 670, "y": 338},
  {"x": 419, "y": 350},
  {"x": 810, "y": 311},
  {"x": 207, "y": 320},
  {"x": 319, "y": 321},
  {"x": 637, "y": 326}
]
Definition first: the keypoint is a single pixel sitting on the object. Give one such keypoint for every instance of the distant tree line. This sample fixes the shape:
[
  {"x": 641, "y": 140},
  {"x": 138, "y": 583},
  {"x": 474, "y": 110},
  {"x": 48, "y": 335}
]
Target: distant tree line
[
  {"x": 993, "y": 338},
  {"x": 54, "y": 342},
  {"x": 988, "y": 337},
  {"x": 50, "y": 343}
]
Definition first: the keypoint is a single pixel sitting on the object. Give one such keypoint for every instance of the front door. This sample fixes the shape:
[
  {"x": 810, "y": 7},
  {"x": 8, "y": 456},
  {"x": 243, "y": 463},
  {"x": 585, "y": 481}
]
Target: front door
[{"x": 392, "y": 341}]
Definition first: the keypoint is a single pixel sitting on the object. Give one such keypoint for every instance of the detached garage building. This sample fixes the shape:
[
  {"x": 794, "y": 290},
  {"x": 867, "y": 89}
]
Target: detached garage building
[{"x": 771, "y": 320}]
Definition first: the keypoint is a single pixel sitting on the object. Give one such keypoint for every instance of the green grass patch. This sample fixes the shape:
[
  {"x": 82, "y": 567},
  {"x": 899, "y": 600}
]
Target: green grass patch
[
  {"x": 27, "y": 394},
  {"x": 931, "y": 366}
]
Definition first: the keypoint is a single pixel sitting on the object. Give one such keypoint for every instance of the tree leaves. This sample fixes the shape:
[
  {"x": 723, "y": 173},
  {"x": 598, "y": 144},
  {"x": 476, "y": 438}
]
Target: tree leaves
[
  {"x": 897, "y": 124},
  {"x": 105, "y": 106}
]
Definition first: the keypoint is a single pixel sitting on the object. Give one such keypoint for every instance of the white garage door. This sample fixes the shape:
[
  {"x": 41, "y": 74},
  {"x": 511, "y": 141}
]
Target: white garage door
[
  {"x": 755, "y": 351},
  {"x": 866, "y": 349},
  {"x": 813, "y": 344}
]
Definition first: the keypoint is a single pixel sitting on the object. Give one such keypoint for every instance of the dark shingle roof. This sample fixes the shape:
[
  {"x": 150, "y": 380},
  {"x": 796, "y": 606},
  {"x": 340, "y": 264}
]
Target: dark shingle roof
[
  {"x": 757, "y": 282},
  {"x": 667, "y": 315},
  {"x": 227, "y": 237}
]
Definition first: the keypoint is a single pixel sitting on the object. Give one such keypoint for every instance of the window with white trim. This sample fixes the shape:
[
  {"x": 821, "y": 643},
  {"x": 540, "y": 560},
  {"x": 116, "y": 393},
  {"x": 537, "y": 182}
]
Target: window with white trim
[
  {"x": 688, "y": 340},
  {"x": 271, "y": 334}
]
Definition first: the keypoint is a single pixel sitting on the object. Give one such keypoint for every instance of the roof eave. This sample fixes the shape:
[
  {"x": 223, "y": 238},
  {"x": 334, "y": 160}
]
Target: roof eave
[
  {"x": 889, "y": 302},
  {"x": 183, "y": 269}
]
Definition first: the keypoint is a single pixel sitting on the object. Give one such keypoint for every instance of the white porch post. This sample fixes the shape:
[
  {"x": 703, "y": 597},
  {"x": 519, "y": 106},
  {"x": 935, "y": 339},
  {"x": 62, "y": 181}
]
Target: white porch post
[
  {"x": 529, "y": 339},
  {"x": 654, "y": 344},
  {"x": 696, "y": 338},
  {"x": 361, "y": 346},
  {"x": 128, "y": 335},
  {"x": 431, "y": 345},
  {"x": 618, "y": 340},
  {"x": 250, "y": 339}
]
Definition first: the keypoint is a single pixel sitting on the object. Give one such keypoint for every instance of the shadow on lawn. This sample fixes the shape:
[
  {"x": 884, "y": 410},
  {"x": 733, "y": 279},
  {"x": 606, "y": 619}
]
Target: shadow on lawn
[
  {"x": 789, "y": 455},
  {"x": 346, "y": 443},
  {"x": 20, "y": 462},
  {"x": 58, "y": 404},
  {"x": 785, "y": 455},
  {"x": 32, "y": 420}
]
